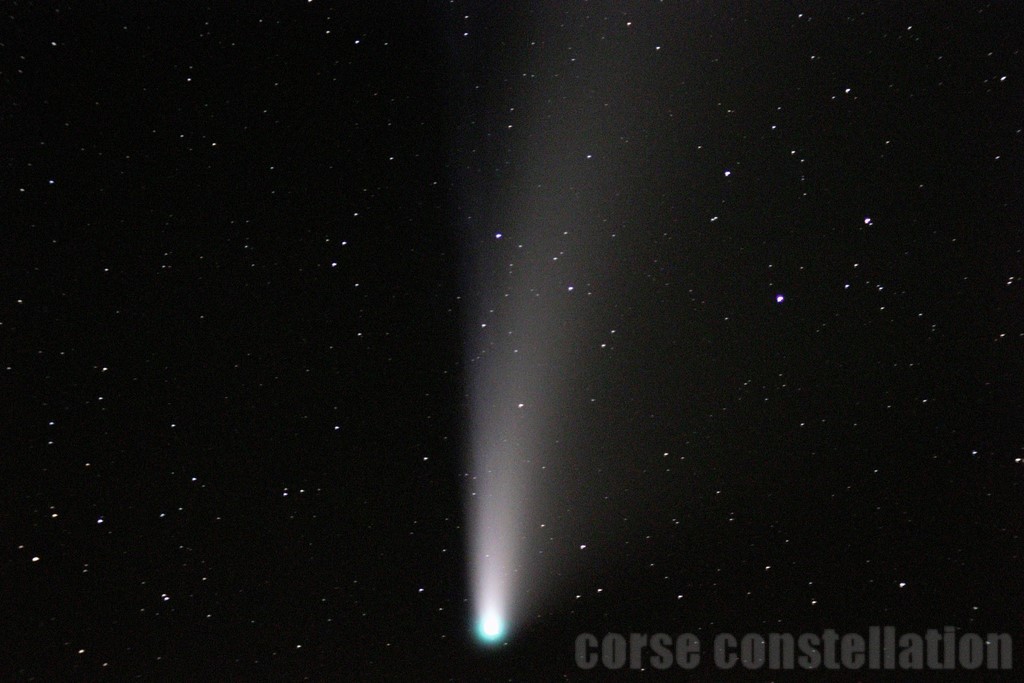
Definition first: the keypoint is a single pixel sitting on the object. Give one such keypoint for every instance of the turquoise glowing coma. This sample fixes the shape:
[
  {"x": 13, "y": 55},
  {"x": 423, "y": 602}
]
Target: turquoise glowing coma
[{"x": 490, "y": 628}]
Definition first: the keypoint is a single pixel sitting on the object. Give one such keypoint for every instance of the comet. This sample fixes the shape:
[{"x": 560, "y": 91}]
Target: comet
[{"x": 491, "y": 628}]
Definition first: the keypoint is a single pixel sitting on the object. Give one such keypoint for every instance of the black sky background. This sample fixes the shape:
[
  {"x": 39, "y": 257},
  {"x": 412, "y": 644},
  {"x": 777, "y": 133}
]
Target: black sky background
[{"x": 248, "y": 279}]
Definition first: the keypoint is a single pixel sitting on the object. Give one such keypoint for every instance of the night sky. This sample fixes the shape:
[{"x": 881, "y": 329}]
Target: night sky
[{"x": 732, "y": 293}]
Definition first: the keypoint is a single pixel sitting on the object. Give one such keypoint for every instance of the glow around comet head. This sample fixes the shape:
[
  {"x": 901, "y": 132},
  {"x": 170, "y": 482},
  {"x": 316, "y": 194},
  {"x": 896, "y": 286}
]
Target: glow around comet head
[{"x": 491, "y": 628}]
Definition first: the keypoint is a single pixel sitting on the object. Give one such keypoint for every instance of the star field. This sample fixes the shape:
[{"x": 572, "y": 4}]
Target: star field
[{"x": 740, "y": 286}]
